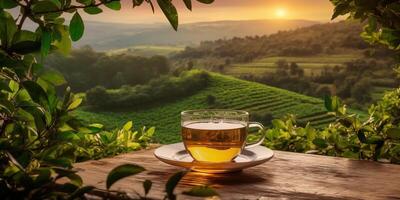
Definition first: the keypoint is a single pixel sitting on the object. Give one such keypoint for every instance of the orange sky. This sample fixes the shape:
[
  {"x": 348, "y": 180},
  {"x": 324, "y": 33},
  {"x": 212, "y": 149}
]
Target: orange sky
[{"x": 318, "y": 10}]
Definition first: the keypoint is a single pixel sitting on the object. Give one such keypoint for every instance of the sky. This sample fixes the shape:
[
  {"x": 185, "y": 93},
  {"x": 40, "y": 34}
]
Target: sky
[{"x": 316, "y": 10}]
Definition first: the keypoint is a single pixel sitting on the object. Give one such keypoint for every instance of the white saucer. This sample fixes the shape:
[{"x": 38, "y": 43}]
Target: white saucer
[{"x": 175, "y": 154}]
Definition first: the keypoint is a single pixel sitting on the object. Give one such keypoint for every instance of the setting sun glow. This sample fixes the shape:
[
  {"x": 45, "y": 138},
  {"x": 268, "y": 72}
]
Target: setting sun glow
[{"x": 280, "y": 12}]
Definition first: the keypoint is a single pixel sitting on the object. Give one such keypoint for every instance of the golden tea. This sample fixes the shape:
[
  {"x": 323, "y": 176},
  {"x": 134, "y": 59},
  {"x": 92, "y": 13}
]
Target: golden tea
[{"x": 214, "y": 142}]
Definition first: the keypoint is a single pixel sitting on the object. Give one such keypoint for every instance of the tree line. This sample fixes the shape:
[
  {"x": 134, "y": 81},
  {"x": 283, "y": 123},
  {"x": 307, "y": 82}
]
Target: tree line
[
  {"x": 330, "y": 38},
  {"x": 163, "y": 89},
  {"x": 85, "y": 68}
]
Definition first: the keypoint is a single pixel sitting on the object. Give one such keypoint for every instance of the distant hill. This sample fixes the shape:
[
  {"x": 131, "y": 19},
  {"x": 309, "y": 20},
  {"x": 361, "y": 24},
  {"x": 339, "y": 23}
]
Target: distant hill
[
  {"x": 330, "y": 38},
  {"x": 229, "y": 92},
  {"x": 107, "y": 36}
]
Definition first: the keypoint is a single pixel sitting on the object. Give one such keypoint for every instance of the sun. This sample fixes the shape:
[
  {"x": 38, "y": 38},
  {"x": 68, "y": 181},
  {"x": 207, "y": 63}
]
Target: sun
[{"x": 280, "y": 12}]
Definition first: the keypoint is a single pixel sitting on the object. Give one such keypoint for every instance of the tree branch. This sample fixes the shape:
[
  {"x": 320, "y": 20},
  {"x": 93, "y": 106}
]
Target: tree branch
[
  {"x": 21, "y": 22},
  {"x": 25, "y": 13},
  {"x": 74, "y": 7}
]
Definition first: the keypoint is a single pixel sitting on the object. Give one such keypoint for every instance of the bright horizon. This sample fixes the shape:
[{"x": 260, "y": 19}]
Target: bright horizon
[{"x": 314, "y": 10}]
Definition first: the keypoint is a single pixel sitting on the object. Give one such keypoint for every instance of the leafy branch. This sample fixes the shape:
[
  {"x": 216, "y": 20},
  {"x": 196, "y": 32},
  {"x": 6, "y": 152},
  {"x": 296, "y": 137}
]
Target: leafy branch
[{"x": 39, "y": 137}]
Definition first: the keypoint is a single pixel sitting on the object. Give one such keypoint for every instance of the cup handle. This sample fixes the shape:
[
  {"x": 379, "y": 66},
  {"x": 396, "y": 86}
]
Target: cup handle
[{"x": 261, "y": 140}]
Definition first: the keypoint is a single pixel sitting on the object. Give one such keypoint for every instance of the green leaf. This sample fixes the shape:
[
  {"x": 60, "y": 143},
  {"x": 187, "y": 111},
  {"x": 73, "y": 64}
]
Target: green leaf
[
  {"x": 45, "y": 43},
  {"x": 375, "y": 139},
  {"x": 43, "y": 177},
  {"x": 67, "y": 136},
  {"x": 328, "y": 103},
  {"x": 80, "y": 192},
  {"x": 319, "y": 142},
  {"x": 42, "y": 7},
  {"x": 53, "y": 77},
  {"x": 114, "y": 5},
  {"x": 206, "y": 1},
  {"x": 10, "y": 170},
  {"x": 340, "y": 9},
  {"x": 64, "y": 43},
  {"x": 85, "y": 2},
  {"x": 74, "y": 104},
  {"x": 170, "y": 12},
  {"x": 61, "y": 162},
  {"x": 393, "y": 133},
  {"x": 201, "y": 191},
  {"x": 128, "y": 126},
  {"x": 24, "y": 35},
  {"x": 95, "y": 128},
  {"x": 332, "y": 103},
  {"x": 188, "y": 4},
  {"x": 4, "y": 87},
  {"x": 172, "y": 183},
  {"x": 147, "y": 186},
  {"x": 372, "y": 24},
  {"x": 74, "y": 178},
  {"x": 93, "y": 10},
  {"x": 150, "y": 132},
  {"x": 36, "y": 92},
  {"x": 8, "y": 4},
  {"x": 279, "y": 124},
  {"x": 26, "y": 47},
  {"x": 38, "y": 117},
  {"x": 8, "y": 28},
  {"x": 122, "y": 171},
  {"x": 76, "y": 27}
]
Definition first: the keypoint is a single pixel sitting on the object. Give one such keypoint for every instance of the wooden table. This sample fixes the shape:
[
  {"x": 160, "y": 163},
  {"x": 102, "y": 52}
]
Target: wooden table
[{"x": 287, "y": 176}]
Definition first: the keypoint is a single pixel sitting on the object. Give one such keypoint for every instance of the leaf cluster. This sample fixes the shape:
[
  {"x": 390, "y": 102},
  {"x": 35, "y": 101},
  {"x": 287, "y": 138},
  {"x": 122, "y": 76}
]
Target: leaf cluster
[
  {"x": 383, "y": 19},
  {"x": 40, "y": 138},
  {"x": 376, "y": 138}
]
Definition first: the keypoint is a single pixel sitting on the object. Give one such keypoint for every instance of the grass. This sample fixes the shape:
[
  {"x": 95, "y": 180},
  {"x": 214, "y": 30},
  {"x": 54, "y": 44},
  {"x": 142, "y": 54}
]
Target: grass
[
  {"x": 230, "y": 93},
  {"x": 310, "y": 64}
]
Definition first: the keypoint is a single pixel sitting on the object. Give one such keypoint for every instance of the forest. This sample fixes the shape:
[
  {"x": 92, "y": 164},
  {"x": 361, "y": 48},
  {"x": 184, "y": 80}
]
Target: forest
[{"x": 85, "y": 68}]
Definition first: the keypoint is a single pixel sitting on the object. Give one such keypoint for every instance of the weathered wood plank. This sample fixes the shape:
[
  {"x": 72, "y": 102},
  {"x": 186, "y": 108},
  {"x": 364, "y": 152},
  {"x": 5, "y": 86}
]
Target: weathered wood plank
[{"x": 287, "y": 175}]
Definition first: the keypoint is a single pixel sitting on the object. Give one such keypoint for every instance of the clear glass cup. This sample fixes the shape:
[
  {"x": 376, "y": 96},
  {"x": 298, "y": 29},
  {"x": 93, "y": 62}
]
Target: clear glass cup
[{"x": 217, "y": 136}]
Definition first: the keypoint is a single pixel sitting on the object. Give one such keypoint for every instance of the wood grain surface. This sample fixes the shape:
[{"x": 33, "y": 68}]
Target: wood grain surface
[{"x": 287, "y": 176}]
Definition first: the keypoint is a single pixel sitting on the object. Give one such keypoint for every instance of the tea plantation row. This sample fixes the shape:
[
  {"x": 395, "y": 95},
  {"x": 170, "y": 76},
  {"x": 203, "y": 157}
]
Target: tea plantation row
[{"x": 228, "y": 92}]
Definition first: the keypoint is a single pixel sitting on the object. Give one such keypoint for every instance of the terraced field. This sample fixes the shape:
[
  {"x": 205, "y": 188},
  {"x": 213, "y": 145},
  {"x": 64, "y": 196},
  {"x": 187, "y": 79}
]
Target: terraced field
[
  {"x": 148, "y": 50},
  {"x": 230, "y": 93},
  {"x": 310, "y": 64}
]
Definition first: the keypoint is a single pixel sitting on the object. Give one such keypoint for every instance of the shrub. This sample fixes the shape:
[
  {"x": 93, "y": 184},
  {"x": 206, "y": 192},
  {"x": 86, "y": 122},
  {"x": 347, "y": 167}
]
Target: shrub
[
  {"x": 376, "y": 138},
  {"x": 166, "y": 88}
]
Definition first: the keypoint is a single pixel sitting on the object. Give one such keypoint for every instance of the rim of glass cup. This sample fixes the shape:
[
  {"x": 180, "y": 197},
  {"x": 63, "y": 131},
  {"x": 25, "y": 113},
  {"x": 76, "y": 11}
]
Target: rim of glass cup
[{"x": 190, "y": 112}]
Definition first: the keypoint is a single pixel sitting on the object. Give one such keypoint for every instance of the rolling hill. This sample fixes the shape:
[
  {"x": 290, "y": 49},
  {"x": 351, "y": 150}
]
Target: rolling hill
[
  {"x": 107, "y": 36},
  {"x": 231, "y": 93}
]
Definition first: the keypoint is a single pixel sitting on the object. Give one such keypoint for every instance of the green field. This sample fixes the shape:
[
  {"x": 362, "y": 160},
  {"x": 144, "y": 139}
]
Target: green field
[
  {"x": 148, "y": 50},
  {"x": 310, "y": 64},
  {"x": 230, "y": 93}
]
